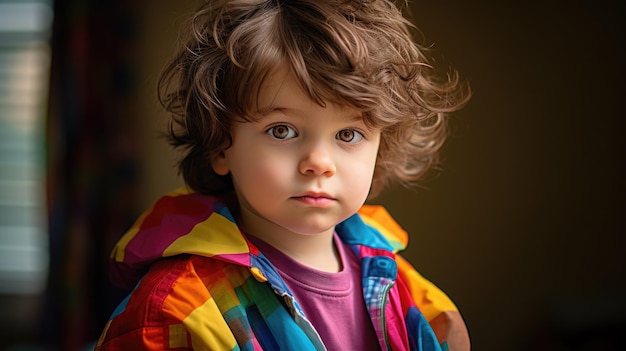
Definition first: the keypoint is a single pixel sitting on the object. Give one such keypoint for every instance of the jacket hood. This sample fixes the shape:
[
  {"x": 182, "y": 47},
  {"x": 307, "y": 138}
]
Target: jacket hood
[{"x": 184, "y": 222}]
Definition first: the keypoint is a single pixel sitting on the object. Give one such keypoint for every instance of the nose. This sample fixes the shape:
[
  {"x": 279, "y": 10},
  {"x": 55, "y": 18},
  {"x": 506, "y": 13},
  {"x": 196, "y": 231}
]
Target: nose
[{"x": 317, "y": 160}]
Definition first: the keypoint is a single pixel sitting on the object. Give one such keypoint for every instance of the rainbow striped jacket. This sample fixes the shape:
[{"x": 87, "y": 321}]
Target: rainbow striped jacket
[{"x": 199, "y": 284}]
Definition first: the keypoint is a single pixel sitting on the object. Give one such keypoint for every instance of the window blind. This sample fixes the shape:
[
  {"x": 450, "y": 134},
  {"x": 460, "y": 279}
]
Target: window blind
[{"x": 24, "y": 71}]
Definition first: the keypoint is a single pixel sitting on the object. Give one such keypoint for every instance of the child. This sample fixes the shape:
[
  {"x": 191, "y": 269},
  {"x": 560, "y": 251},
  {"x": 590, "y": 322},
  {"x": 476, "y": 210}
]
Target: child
[{"x": 291, "y": 113}]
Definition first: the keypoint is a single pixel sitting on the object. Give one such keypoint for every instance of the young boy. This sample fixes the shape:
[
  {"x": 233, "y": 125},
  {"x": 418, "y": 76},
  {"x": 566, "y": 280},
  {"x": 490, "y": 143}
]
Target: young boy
[{"x": 291, "y": 113}]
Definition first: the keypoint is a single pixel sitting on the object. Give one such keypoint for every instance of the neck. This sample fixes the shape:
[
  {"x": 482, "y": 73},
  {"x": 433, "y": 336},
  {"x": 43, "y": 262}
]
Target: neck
[{"x": 316, "y": 251}]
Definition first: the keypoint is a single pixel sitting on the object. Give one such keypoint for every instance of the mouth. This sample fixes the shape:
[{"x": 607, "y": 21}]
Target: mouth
[{"x": 315, "y": 199}]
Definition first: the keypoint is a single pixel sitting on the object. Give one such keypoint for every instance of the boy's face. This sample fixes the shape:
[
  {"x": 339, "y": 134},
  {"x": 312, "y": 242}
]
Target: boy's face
[{"x": 301, "y": 168}]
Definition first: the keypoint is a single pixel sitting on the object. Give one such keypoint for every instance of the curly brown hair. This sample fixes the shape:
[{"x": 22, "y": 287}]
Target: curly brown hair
[{"x": 358, "y": 53}]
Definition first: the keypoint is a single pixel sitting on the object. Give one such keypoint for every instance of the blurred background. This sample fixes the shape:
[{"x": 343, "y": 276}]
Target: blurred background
[{"x": 524, "y": 226}]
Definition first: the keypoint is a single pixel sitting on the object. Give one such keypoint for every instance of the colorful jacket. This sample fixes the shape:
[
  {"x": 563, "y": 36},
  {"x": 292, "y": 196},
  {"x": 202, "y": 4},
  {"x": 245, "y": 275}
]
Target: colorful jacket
[{"x": 199, "y": 284}]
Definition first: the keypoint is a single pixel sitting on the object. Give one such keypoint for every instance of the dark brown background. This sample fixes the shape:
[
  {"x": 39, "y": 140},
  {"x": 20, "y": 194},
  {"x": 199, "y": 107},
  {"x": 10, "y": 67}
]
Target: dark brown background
[{"x": 525, "y": 226}]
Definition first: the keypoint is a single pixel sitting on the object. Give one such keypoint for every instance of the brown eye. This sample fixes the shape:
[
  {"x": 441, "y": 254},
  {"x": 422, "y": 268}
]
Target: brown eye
[
  {"x": 282, "y": 132},
  {"x": 349, "y": 136}
]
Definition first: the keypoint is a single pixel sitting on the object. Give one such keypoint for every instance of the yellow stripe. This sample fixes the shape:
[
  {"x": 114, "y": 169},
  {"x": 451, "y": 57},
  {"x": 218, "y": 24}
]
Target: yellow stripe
[
  {"x": 197, "y": 241},
  {"x": 209, "y": 333}
]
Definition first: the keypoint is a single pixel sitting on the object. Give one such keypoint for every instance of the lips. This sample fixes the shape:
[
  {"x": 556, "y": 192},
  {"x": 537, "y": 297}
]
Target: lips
[{"x": 315, "y": 199}]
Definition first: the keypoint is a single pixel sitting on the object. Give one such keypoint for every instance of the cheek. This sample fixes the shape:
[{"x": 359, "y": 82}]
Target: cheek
[
  {"x": 258, "y": 174},
  {"x": 367, "y": 169},
  {"x": 368, "y": 163},
  {"x": 358, "y": 171}
]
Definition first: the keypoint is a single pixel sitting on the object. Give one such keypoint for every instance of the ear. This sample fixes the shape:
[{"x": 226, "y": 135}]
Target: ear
[{"x": 219, "y": 164}]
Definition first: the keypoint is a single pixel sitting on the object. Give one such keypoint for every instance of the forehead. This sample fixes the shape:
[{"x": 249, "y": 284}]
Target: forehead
[{"x": 281, "y": 90}]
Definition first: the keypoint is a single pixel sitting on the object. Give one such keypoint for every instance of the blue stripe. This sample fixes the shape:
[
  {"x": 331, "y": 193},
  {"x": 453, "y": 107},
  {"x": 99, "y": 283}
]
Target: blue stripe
[{"x": 353, "y": 231}]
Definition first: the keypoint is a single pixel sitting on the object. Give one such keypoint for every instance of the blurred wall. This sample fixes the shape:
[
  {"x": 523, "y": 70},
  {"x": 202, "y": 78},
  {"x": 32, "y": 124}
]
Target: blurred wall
[
  {"x": 160, "y": 23},
  {"x": 524, "y": 226}
]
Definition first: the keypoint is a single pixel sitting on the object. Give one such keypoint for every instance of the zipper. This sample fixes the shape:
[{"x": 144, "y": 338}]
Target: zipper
[
  {"x": 381, "y": 306},
  {"x": 379, "y": 274}
]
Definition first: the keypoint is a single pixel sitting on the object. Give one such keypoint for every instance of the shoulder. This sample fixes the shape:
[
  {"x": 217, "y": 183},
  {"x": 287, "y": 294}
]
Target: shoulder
[
  {"x": 436, "y": 307},
  {"x": 168, "y": 292},
  {"x": 377, "y": 217},
  {"x": 156, "y": 292},
  {"x": 184, "y": 280},
  {"x": 165, "y": 304}
]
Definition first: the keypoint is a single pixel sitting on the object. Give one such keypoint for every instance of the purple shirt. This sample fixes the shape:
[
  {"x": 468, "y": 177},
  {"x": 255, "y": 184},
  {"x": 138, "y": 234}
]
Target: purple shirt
[{"x": 332, "y": 302}]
